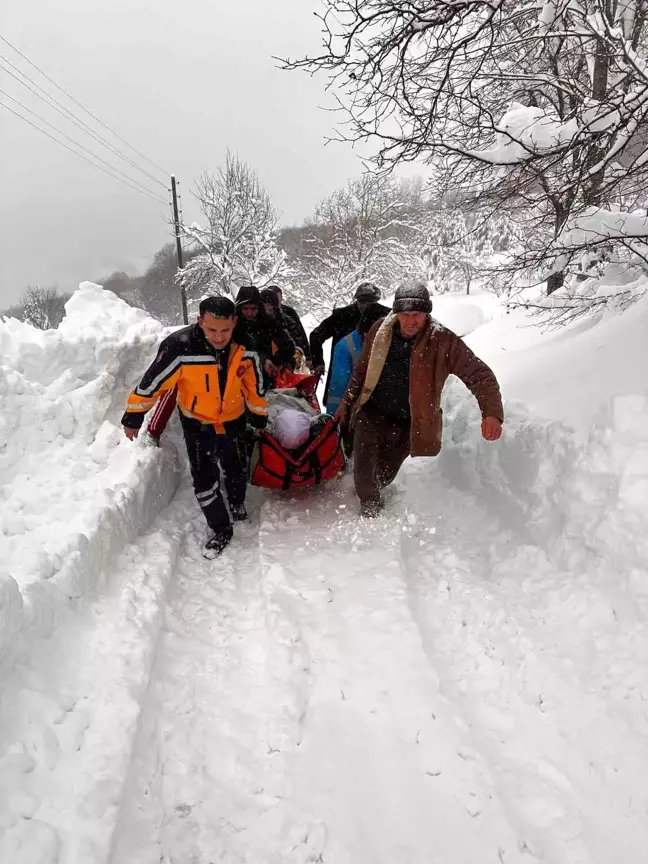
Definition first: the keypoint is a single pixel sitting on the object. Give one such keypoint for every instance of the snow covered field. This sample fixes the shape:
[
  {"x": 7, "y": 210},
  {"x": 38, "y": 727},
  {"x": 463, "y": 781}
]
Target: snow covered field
[{"x": 463, "y": 681}]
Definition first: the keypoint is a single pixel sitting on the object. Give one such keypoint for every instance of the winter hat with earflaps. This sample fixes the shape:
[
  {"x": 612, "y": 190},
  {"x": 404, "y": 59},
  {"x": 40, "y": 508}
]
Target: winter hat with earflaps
[
  {"x": 412, "y": 296},
  {"x": 367, "y": 291}
]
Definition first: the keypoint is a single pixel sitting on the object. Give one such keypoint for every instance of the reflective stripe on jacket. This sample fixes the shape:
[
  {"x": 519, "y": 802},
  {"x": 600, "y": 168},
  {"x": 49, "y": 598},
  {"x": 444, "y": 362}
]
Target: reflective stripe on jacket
[{"x": 188, "y": 361}]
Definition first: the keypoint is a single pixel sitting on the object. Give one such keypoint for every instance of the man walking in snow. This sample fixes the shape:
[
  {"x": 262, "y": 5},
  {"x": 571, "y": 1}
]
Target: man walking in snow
[
  {"x": 297, "y": 331},
  {"x": 275, "y": 311},
  {"x": 394, "y": 397},
  {"x": 272, "y": 340},
  {"x": 339, "y": 324},
  {"x": 256, "y": 332},
  {"x": 216, "y": 380}
]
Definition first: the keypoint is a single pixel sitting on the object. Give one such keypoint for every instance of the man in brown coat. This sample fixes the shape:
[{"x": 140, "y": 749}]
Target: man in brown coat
[{"x": 394, "y": 397}]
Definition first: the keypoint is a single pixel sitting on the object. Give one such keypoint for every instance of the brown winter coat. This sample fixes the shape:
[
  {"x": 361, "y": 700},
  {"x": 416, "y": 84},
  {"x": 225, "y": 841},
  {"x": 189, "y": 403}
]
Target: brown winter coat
[{"x": 437, "y": 353}]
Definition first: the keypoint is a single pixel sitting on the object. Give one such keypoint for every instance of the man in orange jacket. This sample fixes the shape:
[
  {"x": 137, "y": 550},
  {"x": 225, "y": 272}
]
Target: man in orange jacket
[{"x": 217, "y": 379}]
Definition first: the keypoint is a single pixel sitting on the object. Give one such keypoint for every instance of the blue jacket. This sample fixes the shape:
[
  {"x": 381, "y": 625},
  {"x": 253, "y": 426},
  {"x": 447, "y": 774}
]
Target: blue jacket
[{"x": 345, "y": 354}]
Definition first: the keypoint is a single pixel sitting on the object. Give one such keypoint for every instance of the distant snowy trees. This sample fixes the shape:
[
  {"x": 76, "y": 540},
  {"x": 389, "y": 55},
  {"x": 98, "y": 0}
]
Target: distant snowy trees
[
  {"x": 538, "y": 109},
  {"x": 459, "y": 245},
  {"x": 375, "y": 228},
  {"x": 362, "y": 232},
  {"x": 236, "y": 242},
  {"x": 43, "y": 308}
]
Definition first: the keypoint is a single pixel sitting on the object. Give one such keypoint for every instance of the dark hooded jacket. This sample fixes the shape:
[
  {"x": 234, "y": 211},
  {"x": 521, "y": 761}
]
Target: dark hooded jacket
[
  {"x": 298, "y": 333},
  {"x": 294, "y": 329},
  {"x": 270, "y": 339}
]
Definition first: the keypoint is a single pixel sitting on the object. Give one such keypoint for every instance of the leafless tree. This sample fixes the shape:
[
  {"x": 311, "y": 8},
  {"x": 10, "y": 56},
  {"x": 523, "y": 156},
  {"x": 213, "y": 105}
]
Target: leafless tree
[
  {"x": 237, "y": 242},
  {"x": 361, "y": 232},
  {"x": 542, "y": 110},
  {"x": 43, "y": 308}
]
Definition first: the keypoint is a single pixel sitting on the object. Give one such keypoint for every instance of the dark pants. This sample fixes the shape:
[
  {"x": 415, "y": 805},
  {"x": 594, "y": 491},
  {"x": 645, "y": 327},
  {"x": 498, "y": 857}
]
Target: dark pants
[
  {"x": 346, "y": 433},
  {"x": 218, "y": 468},
  {"x": 381, "y": 445}
]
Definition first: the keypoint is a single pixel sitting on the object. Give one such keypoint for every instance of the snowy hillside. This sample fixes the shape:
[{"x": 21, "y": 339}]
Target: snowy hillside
[{"x": 463, "y": 680}]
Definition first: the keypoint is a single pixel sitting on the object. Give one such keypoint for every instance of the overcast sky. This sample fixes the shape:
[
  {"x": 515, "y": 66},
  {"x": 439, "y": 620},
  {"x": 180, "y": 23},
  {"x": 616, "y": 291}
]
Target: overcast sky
[{"x": 181, "y": 80}]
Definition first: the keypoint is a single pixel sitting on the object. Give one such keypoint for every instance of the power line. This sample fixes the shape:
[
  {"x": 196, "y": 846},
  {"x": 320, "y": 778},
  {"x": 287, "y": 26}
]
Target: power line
[
  {"x": 61, "y": 109},
  {"x": 83, "y": 108},
  {"x": 80, "y": 146},
  {"x": 151, "y": 195}
]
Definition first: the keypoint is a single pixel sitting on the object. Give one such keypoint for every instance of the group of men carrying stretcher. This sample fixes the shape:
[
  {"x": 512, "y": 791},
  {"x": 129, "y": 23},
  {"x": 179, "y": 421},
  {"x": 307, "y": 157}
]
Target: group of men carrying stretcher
[{"x": 248, "y": 366}]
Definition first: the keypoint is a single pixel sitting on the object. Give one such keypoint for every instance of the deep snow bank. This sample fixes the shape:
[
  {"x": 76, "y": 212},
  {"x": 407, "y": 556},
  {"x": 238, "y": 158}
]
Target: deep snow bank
[
  {"x": 73, "y": 489},
  {"x": 570, "y": 476},
  {"x": 574, "y": 458},
  {"x": 465, "y": 313},
  {"x": 554, "y": 488},
  {"x": 568, "y": 374}
]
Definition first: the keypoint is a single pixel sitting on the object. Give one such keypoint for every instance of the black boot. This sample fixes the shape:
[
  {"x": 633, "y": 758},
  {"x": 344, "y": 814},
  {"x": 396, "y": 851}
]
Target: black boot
[
  {"x": 220, "y": 539},
  {"x": 239, "y": 514}
]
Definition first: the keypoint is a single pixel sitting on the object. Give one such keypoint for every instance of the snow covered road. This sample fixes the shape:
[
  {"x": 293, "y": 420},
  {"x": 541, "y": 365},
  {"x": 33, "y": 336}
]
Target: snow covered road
[
  {"x": 293, "y": 714},
  {"x": 339, "y": 691},
  {"x": 463, "y": 680}
]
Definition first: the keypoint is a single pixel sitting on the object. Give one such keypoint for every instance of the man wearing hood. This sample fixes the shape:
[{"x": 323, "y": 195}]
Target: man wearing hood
[
  {"x": 297, "y": 328},
  {"x": 346, "y": 353},
  {"x": 393, "y": 400},
  {"x": 271, "y": 340},
  {"x": 274, "y": 310},
  {"x": 339, "y": 324}
]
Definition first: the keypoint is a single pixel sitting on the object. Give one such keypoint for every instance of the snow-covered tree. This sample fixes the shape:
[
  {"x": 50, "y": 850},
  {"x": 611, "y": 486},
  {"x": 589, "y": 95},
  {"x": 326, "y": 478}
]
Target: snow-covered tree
[
  {"x": 236, "y": 244},
  {"x": 540, "y": 108},
  {"x": 43, "y": 308},
  {"x": 360, "y": 233},
  {"x": 456, "y": 246}
]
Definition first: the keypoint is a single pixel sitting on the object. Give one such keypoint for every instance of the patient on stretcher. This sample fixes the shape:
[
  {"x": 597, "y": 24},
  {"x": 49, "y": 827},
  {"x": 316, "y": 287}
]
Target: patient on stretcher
[
  {"x": 300, "y": 446},
  {"x": 293, "y": 421}
]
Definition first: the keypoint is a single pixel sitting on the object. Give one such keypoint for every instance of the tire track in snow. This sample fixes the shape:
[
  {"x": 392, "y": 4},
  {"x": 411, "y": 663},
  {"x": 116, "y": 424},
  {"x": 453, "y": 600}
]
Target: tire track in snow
[
  {"x": 562, "y": 762},
  {"x": 378, "y": 760},
  {"x": 209, "y": 778}
]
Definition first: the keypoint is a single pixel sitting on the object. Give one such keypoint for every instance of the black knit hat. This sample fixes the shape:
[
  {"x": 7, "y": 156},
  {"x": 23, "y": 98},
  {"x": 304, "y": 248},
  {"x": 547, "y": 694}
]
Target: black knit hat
[
  {"x": 248, "y": 295},
  {"x": 412, "y": 296},
  {"x": 367, "y": 291}
]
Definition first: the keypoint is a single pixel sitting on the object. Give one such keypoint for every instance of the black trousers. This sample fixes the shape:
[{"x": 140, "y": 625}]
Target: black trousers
[
  {"x": 218, "y": 468},
  {"x": 381, "y": 445}
]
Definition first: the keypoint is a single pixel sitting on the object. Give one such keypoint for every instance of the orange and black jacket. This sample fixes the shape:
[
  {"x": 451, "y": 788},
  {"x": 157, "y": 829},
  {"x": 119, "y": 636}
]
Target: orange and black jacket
[{"x": 187, "y": 361}]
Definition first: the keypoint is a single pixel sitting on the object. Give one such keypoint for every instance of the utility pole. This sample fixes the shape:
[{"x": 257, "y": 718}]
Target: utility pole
[{"x": 176, "y": 222}]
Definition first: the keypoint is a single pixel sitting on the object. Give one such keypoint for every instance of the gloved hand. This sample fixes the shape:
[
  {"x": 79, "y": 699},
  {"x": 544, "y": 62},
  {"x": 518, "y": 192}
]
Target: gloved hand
[
  {"x": 491, "y": 428},
  {"x": 319, "y": 370}
]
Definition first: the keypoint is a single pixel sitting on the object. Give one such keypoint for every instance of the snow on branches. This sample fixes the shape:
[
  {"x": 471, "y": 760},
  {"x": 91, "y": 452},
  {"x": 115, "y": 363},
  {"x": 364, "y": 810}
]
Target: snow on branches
[
  {"x": 43, "y": 308},
  {"x": 363, "y": 232},
  {"x": 236, "y": 244},
  {"x": 541, "y": 110}
]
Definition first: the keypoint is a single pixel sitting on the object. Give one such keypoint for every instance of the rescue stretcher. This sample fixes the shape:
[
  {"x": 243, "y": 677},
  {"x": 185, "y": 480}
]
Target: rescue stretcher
[{"x": 318, "y": 460}]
